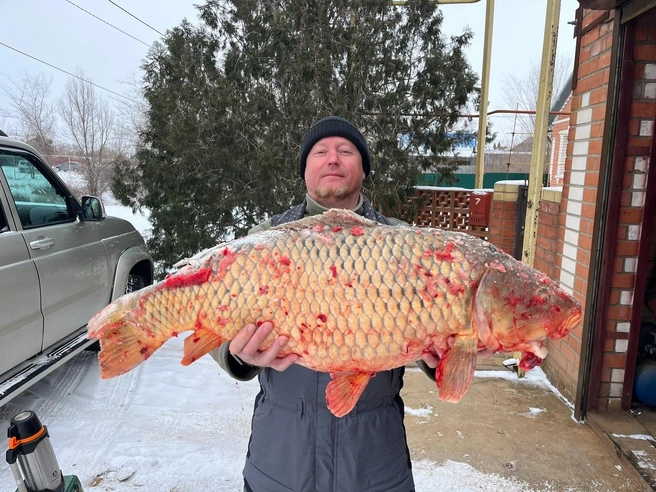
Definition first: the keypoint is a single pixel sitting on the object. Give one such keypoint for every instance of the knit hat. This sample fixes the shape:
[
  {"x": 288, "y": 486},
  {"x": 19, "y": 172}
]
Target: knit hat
[{"x": 334, "y": 126}]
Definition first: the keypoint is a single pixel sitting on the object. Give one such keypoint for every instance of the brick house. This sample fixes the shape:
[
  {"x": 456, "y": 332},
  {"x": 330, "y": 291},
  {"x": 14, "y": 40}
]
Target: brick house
[
  {"x": 596, "y": 233},
  {"x": 559, "y": 125}
]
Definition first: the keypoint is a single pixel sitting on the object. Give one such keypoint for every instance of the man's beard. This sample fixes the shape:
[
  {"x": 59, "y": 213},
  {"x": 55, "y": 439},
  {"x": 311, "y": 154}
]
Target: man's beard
[{"x": 325, "y": 192}]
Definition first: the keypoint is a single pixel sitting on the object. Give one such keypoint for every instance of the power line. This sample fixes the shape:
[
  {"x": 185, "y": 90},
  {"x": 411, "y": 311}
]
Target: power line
[
  {"x": 67, "y": 73},
  {"x": 144, "y": 23},
  {"x": 111, "y": 25}
]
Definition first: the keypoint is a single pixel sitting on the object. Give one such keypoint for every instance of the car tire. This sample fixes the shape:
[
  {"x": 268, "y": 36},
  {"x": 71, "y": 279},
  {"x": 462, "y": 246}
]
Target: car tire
[{"x": 134, "y": 283}]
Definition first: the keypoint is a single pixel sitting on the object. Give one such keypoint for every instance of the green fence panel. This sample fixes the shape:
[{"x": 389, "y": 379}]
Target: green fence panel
[{"x": 468, "y": 181}]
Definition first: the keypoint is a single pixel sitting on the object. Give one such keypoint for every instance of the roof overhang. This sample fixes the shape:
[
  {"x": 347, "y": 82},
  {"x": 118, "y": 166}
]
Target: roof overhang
[{"x": 601, "y": 4}]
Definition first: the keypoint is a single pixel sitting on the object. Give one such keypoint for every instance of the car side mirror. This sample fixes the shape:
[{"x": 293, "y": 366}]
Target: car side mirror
[{"x": 92, "y": 208}]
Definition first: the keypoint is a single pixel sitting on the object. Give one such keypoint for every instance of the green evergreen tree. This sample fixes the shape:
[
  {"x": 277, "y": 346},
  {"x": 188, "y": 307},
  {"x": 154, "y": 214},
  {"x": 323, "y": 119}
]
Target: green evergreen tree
[{"x": 230, "y": 100}]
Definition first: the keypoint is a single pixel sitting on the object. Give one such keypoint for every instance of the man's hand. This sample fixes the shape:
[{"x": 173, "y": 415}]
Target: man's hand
[
  {"x": 246, "y": 346},
  {"x": 430, "y": 360}
]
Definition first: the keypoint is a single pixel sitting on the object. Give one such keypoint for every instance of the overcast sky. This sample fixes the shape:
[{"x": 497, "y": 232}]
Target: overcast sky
[{"x": 59, "y": 33}]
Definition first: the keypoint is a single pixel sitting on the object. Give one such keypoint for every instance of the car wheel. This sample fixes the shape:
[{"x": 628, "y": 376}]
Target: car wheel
[{"x": 134, "y": 283}]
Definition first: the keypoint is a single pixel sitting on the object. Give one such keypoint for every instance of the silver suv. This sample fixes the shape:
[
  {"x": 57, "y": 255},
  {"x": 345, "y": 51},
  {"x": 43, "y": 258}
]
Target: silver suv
[{"x": 61, "y": 261}]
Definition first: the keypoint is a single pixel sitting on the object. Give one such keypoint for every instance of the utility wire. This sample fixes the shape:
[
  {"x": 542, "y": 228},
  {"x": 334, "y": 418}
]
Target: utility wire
[
  {"x": 67, "y": 73},
  {"x": 144, "y": 23},
  {"x": 111, "y": 25}
]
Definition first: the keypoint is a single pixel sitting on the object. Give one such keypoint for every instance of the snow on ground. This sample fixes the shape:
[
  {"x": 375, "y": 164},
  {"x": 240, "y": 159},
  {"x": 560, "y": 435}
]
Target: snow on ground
[{"x": 165, "y": 427}]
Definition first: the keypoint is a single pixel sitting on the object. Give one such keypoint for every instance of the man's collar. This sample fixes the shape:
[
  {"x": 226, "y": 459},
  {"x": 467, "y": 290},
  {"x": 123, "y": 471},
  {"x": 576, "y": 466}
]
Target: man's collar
[{"x": 314, "y": 208}]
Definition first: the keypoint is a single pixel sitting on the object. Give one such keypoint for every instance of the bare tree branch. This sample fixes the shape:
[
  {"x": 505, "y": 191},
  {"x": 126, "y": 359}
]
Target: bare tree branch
[
  {"x": 522, "y": 92},
  {"x": 37, "y": 118},
  {"x": 89, "y": 122}
]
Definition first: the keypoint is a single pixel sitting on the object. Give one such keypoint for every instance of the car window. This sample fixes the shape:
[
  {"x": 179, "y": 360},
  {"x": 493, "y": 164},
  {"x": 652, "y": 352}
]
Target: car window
[
  {"x": 4, "y": 225},
  {"x": 39, "y": 201}
]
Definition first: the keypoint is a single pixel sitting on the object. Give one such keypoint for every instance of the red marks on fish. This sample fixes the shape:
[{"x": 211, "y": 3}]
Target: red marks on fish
[
  {"x": 333, "y": 269},
  {"x": 259, "y": 323},
  {"x": 222, "y": 321},
  {"x": 317, "y": 228},
  {"x": 199, "y": 321},
  {"x": 337, "y": 229},
  {"x": 228, "y": 259},
  {"x": 498, "y": 266},
  {"x": 357, "y": 231},
  {"x": 263, "y": 289},
  {"x": 322, "y": 317},
  {"x": 536, "y": 300},
  {"x": 196, "y": 278},
  {"x": 143, "y": 351},
  {"x": 285, "y": 261},
  {"x": 456, "y": 288},
  {"x": 447, "y": 254},
  {"x": 175, "y": 334},
  {"x": 513, "y": 301},
  {"x": 529, "y": 360}
]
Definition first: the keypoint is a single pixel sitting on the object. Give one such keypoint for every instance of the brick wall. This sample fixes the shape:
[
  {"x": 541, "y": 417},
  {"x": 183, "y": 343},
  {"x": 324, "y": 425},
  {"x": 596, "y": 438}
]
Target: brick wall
[
  {"x": 547, "y": 234},
  {"x": 579, "y": 191},
  {"x": 631, "y": 213},
  {"x": 503, "y": 217}
]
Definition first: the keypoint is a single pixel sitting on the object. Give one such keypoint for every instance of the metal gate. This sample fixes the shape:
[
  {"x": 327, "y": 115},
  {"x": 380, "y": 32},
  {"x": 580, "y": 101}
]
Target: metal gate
[{"x": 522, "y": 200}]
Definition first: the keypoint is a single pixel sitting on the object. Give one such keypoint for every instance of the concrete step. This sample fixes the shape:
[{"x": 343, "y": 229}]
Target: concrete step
[{"x": 634, "y": 444}]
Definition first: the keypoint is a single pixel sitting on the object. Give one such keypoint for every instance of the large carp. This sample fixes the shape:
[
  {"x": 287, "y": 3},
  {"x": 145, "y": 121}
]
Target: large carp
[{"x": 353, "y": 296}]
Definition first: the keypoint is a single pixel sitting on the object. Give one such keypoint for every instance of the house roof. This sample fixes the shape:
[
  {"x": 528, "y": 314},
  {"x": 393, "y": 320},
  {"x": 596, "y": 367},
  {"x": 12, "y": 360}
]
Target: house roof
[{"x": 561, "y": 100}]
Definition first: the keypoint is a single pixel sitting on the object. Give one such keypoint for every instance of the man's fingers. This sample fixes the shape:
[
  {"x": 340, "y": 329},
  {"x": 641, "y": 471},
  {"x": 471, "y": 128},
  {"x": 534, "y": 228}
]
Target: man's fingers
[
  {"x": 242, "y": 337},
  {"x": 257, "y": 338},
  {"x": 283, "y": 364},
  {"x": 246, "y": 345}
]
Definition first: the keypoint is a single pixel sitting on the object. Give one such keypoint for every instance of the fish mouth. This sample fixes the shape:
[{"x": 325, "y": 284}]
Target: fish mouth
[{"x": 567, "y": 325}]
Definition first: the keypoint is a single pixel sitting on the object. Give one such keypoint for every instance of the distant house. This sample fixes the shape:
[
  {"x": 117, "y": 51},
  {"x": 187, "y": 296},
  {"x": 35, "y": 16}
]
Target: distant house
[{"x": 559, "y": 125}]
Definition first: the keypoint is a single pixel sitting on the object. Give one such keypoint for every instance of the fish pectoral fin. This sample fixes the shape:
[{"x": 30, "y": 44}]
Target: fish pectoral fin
[
  {"x": 344, "y": 391},
  {"x": 456, "y": 369},
  {"x": 199, "y": 343}
]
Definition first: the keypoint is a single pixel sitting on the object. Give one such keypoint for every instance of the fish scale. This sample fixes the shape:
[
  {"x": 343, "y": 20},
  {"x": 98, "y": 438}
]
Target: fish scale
[{"x": 354, "y": 297}]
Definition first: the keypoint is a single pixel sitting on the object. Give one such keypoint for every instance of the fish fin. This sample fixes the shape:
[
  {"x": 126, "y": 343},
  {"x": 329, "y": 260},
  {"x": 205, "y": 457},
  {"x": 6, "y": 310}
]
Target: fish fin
[
  {"x": 123, "y": 349},
  {"x": 124, "y": 344},
  {"x": 456, "y": 369},
  {"x": 344, "y": 391},
  {"x": 329, "y": 220},
  {"x": 199, "y": 343}
]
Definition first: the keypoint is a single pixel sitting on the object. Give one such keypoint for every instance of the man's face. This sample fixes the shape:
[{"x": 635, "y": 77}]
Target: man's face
[{"x": 333, "y": 173}]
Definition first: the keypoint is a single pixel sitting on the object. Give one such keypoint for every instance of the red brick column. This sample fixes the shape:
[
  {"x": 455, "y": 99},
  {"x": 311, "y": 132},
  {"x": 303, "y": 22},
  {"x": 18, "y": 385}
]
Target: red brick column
[
  {"x": 547, "y": 236},
  {"x": 503, "y": 218}
]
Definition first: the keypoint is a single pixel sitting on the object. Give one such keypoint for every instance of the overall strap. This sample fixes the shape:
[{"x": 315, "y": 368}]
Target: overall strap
[
  {"x": 371, "y": 214},
  {"x": 294, "y": 213}
]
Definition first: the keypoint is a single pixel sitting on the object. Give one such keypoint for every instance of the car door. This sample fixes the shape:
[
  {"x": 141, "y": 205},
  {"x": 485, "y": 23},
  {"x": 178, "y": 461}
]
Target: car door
[
  {"x": 21, "y": 321},
  {"x": 71, "y": 261}
]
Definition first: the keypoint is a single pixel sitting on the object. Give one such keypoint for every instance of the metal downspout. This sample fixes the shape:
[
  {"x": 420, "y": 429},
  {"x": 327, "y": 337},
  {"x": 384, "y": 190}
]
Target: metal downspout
[{"x": 609, "y": 190}]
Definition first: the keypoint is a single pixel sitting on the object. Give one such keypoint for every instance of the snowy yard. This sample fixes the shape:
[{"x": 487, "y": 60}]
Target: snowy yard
[{"x": 165, "y": 427}]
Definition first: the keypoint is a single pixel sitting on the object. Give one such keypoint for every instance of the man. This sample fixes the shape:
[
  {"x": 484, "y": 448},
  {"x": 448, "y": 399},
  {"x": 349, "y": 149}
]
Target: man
[{"x": 296, "y": 443}]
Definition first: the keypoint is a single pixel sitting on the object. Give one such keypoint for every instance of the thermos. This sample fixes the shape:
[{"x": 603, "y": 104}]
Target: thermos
[{"x": 29, "y": 446}]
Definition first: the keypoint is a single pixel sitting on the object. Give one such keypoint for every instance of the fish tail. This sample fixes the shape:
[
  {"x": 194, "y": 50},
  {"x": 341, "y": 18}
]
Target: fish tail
[{"x": 124, "y": 343}]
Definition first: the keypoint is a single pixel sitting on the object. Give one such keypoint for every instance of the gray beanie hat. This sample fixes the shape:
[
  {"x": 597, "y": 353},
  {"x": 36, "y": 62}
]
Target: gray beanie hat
[{"x": 334, "y": 126}]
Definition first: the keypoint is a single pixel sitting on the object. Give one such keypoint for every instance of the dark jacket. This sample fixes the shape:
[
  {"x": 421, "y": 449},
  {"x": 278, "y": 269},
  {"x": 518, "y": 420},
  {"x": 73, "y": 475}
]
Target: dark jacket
[{"x": 298, "y": 445}]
